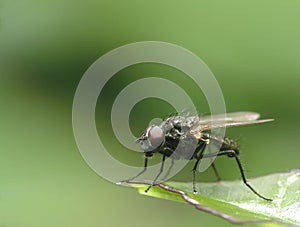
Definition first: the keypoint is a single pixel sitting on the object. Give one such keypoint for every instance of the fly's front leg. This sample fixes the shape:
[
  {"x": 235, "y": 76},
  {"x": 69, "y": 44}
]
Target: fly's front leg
[
  {"x": 140, "y": 173},
  {"x": 161, "y": 170}
]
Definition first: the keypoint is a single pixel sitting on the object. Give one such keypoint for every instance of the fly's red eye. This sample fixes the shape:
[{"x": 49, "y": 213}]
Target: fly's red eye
[{"x": 155, "y": 136}]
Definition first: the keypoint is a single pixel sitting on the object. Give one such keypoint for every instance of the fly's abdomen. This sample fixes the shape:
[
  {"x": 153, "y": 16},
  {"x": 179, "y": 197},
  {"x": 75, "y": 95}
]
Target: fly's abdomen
[{"x": 229, "y": 144}]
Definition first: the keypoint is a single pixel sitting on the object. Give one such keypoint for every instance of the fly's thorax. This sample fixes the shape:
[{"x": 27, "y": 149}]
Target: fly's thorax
[
  {"x": 172, "y": 136},
  {"x": 197, "y": 135},
  {"x": 152, "y": 138}
]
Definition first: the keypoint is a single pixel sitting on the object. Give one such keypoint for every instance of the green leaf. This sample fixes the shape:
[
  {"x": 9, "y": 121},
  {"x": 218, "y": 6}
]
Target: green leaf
[{"x": 234, "y": 202}]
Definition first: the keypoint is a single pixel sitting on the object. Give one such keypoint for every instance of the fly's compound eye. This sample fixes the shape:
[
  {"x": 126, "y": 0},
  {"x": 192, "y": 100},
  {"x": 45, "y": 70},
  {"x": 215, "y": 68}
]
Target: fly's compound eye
[
  {"x": 155, "y": 136},
  {"x": 152, "y": 138}
]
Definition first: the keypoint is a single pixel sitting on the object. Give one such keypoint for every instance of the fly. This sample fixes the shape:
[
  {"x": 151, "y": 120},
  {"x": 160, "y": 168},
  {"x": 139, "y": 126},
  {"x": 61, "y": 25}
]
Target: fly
[{"x": 194, "y": 132}]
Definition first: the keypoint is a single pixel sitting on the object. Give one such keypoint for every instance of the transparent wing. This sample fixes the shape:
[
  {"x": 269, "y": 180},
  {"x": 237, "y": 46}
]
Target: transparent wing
[
  {"x": 234, "y": 117},
  {"x": 227, "y": 120}
]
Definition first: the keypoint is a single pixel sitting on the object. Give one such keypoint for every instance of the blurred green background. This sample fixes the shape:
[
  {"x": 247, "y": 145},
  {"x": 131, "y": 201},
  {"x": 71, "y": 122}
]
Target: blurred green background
[{"x": 252, "y": 47}]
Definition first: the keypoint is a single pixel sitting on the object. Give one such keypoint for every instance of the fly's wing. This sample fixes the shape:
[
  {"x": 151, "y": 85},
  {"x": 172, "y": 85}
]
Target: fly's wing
[
  {"x": 227, "y": 124},
  {"x": 227, "y": 120},
  {"x": 236, "y": 116}
]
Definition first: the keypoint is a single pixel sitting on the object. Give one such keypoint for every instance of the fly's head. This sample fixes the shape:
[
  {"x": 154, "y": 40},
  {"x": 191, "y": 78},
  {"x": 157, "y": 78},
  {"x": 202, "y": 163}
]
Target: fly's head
[{"x": 151, "y": 139}]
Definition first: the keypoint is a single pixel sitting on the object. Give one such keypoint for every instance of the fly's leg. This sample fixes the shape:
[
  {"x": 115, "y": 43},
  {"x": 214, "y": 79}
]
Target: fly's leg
[
  {"x": 194, "y": 174},
  {"x": 159, "y": 173},
  {"x": 170, "y": 168},
  {"x": 216, "y": 171},
  {"x": 140, "y": 173},
  {"x": 214, "y": 166},
  {"x": 232, "y": 153},
  {"x": 199, "y": 157}
]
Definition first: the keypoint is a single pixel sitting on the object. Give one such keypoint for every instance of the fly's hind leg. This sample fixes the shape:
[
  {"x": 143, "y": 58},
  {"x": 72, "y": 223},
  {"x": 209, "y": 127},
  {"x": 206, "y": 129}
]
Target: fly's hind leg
[{"x": 231, "y": 154}]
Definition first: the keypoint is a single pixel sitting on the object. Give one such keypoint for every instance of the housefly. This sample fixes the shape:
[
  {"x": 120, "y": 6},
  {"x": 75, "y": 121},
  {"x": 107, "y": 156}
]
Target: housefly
[{"x": 194, "y": 132}]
